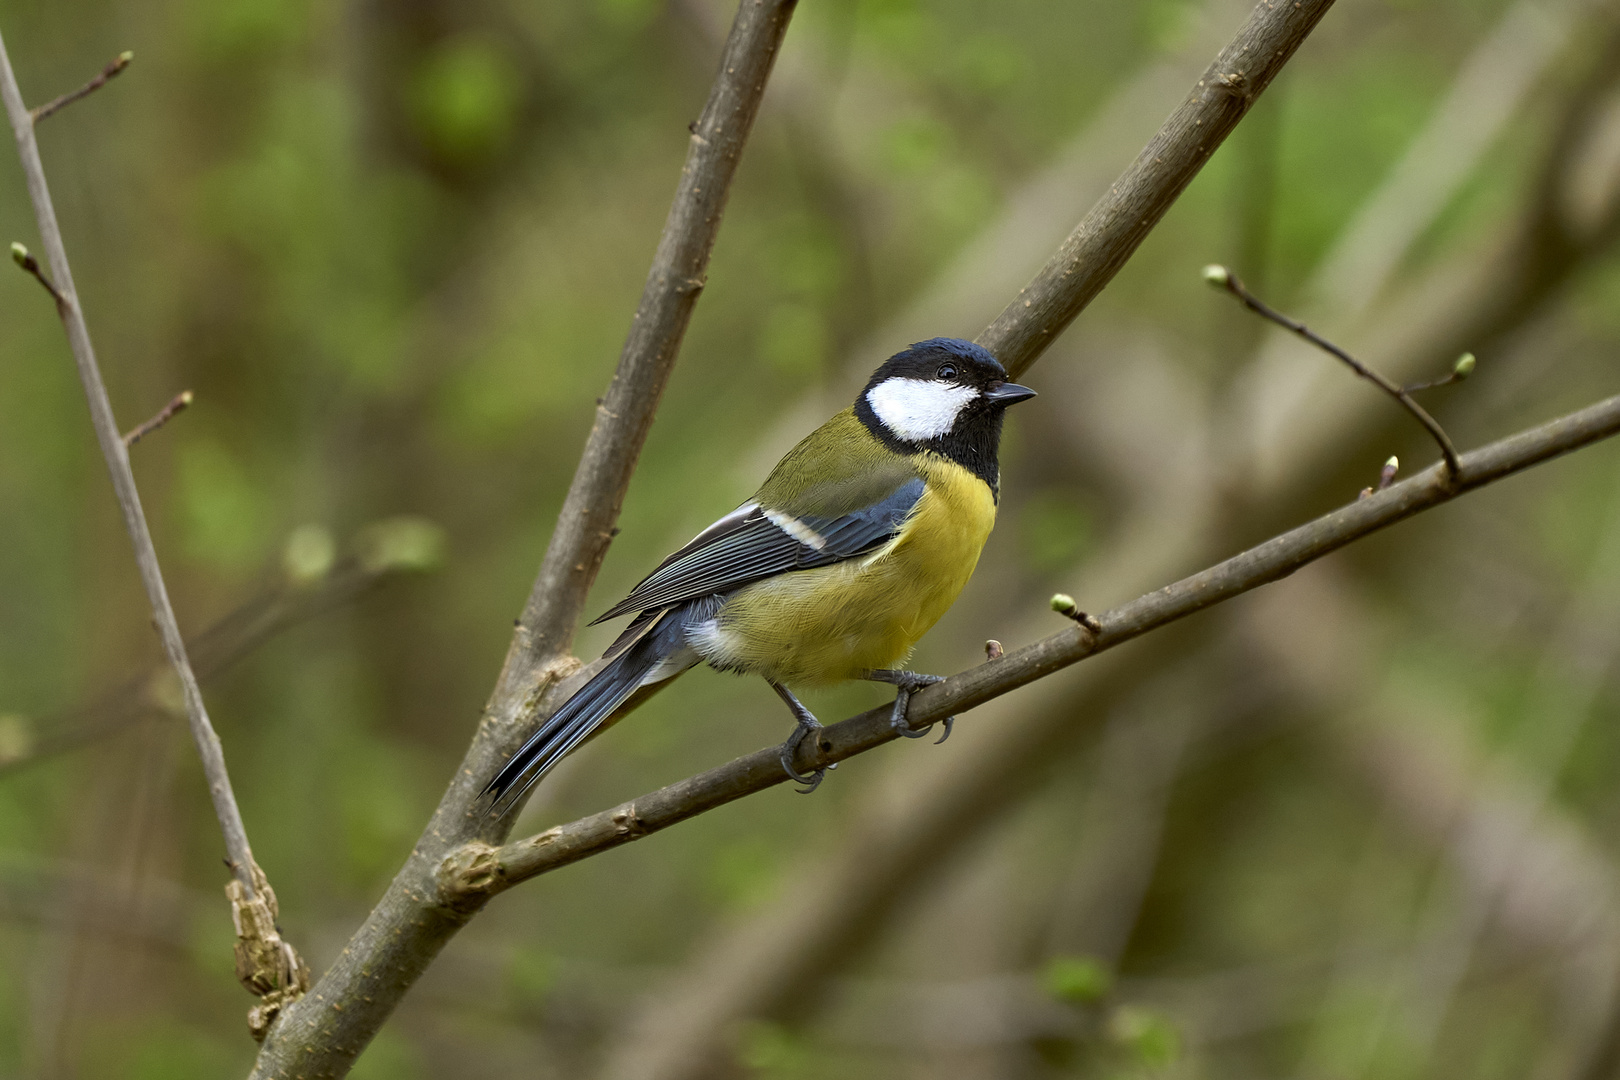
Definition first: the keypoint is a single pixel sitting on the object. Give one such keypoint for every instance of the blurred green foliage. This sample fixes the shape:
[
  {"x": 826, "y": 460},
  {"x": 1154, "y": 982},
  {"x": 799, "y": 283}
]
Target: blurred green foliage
[
  {"x": 1081, "y": 980},
  {"x": 394, "y": 248}
]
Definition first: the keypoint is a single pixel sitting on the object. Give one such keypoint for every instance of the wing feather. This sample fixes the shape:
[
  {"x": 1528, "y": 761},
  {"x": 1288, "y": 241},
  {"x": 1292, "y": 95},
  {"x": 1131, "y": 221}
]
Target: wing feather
[{"x": 746, "y": 546}]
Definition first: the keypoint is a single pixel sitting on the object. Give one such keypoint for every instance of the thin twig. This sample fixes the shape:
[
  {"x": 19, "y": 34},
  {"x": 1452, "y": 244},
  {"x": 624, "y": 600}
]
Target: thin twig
[
  {"x": 119, "y": 63},
  {"x": 117, "y": 457},
  {"x": 476, "y": 872},
  {"x": 249, "y": 890},
  {"x": 1222, "y": 278},
  {"x": 176, "y": 405},
  {"x": 407, "y": 927},
  {"x": 21, "y": 256},
  {"x": 1463, "y": 368}
]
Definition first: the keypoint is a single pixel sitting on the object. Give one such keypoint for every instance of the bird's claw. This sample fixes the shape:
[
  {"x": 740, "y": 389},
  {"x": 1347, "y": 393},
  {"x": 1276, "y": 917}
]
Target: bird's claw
[
  {"x": 810, "y": 780},
  {"x": 908, "y": 683}
]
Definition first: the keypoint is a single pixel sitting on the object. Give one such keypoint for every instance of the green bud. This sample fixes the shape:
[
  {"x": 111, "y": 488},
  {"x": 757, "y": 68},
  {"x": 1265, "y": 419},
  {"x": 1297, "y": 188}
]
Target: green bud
[
  {"x": 1064, "y": 604},
  {"x": 1217, "y": 275},
  {"x": 1077, "y": 979},
  {"x": 1146, "y": 1034},
  {"x": 125, "y": 57},
  {"x": 1464, "y": 366},
  {"x": 19, "y": 255},
  {"x": 401, "y": 544},
  {"x": 309, "y": 554},
  {"x": 1393, "y": 465}
]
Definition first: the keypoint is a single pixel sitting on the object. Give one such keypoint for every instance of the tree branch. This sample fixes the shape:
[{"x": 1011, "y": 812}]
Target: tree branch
[
  {"x": 408, "y": 927},
  {"x": 679, "y": 272},
  {"x": 114, "y": 68},
  {"x": 1112, "y": 230},
  {"x": 478, "y": 872},
  {"x": 265, "y": 962},
  {"x": 117, "y": 458},
  {"x": 177, "y": 405},
  {"x": 1222, "y": 278}
]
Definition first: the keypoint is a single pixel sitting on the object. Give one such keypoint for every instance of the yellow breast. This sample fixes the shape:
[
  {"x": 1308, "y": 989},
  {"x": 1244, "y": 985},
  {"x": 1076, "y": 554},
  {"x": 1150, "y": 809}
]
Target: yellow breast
[{"x": 838, "y": 622}]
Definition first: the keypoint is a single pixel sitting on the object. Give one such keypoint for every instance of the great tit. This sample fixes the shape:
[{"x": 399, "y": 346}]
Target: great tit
[{"x": 859, "y": 540}]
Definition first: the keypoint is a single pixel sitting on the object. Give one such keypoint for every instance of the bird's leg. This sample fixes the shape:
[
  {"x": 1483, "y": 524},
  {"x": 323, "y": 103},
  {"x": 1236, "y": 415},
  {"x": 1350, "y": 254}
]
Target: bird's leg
[
  {"x": 807, "y": 723},
  {"x": 907, "y": 683}
]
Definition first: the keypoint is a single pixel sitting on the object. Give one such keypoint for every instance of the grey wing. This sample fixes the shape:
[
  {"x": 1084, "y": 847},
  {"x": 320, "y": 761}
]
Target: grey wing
[{"x": 751, "y": 543}]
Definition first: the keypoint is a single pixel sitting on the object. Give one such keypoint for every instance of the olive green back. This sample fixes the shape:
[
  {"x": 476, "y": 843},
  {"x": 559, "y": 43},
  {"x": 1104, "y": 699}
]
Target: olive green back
[{"x": 837, "y": 469}]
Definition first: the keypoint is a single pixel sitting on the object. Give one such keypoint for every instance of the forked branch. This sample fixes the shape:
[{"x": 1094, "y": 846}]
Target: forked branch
[{"x": 1222, "y": 278}]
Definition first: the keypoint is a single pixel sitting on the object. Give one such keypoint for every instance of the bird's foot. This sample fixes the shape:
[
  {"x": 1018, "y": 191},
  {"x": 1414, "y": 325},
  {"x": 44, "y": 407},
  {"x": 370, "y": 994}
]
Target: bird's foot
[
  {"x": 907, "y": 683},
  {"x": 807, "y": 723}
]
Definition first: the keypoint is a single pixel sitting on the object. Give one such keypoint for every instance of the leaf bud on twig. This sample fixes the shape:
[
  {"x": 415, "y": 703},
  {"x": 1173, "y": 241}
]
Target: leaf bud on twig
[
  {"x": 1386, "y": 475},
  {"x": 1217, "y": 275}
]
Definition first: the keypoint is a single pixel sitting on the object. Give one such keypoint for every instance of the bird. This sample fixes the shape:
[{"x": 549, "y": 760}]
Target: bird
[{"x": 861, "y": 537}]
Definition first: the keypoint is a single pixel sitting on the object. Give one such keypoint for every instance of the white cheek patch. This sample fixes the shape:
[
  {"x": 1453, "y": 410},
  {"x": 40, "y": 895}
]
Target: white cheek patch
[{"x": 918, "y": 409}]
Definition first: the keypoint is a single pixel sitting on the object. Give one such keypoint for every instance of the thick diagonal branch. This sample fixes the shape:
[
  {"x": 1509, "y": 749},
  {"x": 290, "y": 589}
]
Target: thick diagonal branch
[
  {"x": 481, "y": 871},
  {"x": 1112, "y": 230},
  {"x": 408, "y": 927},
  {"x": 679, "y": 271}
]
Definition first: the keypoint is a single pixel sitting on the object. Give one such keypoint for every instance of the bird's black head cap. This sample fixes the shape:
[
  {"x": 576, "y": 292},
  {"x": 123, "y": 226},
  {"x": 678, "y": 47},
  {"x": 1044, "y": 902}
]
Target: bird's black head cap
[{"x": 943, "y": 395}]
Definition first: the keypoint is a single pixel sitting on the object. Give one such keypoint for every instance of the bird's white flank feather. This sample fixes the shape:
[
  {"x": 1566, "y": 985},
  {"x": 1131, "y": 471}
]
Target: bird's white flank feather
[{"x": 918, "y": 409}]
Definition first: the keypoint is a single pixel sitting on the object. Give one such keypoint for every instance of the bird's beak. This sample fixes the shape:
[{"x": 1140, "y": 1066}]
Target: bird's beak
[{"x": 1009, "y": 394}]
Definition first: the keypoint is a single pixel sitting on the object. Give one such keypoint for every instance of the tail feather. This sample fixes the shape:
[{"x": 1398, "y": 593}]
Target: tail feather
[
  {"x": 644, "y": 653},
  {"x": 568, "y": 726}
]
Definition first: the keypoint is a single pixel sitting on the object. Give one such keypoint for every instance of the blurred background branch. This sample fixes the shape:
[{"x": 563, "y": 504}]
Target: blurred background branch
[
  {"x": 311, "y": 580},
  {"x": 391, "y": 247}
]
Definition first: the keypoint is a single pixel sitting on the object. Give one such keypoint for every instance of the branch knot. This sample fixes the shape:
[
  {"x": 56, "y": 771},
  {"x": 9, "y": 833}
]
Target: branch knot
[
  {"x": 470, "y": 875},
  {"x": 266, "y": 963},
  {"x": 627, "y": 823}
]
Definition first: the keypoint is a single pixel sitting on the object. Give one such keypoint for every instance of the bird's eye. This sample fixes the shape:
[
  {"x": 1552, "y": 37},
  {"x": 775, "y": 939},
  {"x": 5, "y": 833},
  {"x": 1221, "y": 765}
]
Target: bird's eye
[{"x": 947, "y": 371}]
